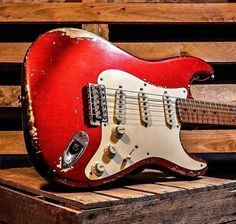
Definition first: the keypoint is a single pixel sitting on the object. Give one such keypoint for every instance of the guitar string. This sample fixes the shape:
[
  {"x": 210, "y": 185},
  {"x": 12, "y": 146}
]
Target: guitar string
[
  {"x": 192, "y": 118},
  {"x": 180, "y": 107},
  {"x": 212, "y": 106},
  {"x": 192, "y": 121},
  {"x": 192, "y": 103},
  {"x": 186, "y": 100},
  {"x": 202, "y": 106}
]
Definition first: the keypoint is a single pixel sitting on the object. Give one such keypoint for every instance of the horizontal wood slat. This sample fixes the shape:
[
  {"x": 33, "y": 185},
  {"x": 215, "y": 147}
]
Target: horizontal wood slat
[
  {"x": 118, "y": 13},
  {"x": 12, "y": 142},
  {"x": 196, "y": 141},
  {"x": 9, "y": 95},
  {"x": 209, "y": 141},
  {"x": 214, "y": 52}
]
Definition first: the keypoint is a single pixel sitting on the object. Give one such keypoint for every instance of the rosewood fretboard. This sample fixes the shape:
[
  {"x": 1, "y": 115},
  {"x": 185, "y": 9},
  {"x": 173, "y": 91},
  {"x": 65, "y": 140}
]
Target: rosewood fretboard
[{"x": 200, "y": 112}]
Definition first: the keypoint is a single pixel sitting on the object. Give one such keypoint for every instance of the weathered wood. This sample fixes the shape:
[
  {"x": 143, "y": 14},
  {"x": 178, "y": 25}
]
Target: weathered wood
[
  {"x": 205, "y": 207},
  {"x": 214, "y": 52},
  {"x": 9, "y": 96},
  {"x": 13, "y": 52},
  {"x": 209, "y": 141},
  {"x": 118, "y": 13},
  {"x": 128, "y": 195},
  {"x": 160, "y": 191},
  {"x": 225, "y": 93},
  {"x": 99, "y": 29},
  {"x": 18, "y": 208},
  {"x": 12, "y": 142},
  {"x": 39, "y": 202},
  {"x": 27, "y": 179},
  {"x": 170, "y": 1}
]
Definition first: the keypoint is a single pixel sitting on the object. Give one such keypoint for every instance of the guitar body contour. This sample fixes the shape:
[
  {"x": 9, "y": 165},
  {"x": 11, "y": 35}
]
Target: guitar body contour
[{"x": 69, "y": 147}]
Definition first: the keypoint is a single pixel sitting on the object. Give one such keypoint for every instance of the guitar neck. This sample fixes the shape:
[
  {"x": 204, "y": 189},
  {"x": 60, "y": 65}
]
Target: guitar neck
[{"x": 191, "y": 111}]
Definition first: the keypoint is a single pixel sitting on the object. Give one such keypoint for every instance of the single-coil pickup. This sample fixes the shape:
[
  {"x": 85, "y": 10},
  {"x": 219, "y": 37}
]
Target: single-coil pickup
[
  {"x": 120, "y": 106},
  {"x": 145, "y": 115},
  {"x": 170, "y": 111},
  {"x": 97, "y": 104}
]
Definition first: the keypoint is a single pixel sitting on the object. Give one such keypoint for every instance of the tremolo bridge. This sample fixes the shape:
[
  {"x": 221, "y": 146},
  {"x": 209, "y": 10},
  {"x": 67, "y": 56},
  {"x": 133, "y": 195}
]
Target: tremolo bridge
[{"x": 97, "y": 104}]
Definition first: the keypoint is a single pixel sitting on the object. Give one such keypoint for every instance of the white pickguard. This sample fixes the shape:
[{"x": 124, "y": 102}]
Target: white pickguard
[{"x": 155, "y": 140}]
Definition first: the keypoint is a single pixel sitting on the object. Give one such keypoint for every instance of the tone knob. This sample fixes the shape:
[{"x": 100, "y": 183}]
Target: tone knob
[
  {"x": 98, "y": 169},
  {"x": 110, "y": 151},
  {"x": 119, "y": 131}
]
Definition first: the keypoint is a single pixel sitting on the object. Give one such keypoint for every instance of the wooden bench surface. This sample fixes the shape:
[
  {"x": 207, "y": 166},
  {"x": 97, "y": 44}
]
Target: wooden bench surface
[{"x": 135, "y": 198}]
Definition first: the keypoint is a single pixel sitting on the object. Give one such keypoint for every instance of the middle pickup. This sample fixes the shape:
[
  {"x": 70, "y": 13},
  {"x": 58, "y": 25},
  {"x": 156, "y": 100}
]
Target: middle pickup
[
  {"x": 120, "y": 106},
  {"x": 145, "y": 114}
]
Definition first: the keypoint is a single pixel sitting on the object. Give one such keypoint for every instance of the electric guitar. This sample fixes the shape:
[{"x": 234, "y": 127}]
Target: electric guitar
[{"x": 93, "y": 113}]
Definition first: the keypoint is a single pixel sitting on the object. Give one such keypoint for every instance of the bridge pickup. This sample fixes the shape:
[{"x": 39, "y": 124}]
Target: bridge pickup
[
  {"x": 120, "y": 104},
  {"x": 97, "y": 104},
  {"x": 145, "y": 114}
]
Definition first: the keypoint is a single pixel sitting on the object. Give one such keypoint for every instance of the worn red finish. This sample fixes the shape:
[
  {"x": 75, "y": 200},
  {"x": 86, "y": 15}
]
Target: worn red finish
[{"x": 57, "y": 68}]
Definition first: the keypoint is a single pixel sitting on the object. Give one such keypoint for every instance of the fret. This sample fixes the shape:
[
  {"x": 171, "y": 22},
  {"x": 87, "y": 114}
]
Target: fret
[{"x": 201, "y": 112}]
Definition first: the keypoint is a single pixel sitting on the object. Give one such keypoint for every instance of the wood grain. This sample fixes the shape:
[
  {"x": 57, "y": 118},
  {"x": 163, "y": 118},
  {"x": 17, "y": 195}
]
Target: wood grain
[
  {"x": 215, "y": 204},
  {"x": 99, "y": 29},
  {"x": 13, "y": 52},
  {"x": 214, "y": 52},
  {"x": 27, "y": 179},
  {"x": 12, "y": 142},
  {"x": 9, "y": 96},
  {"x": 118, "y": 13},
  {"x": 18, "y": 208},
  {"x": 205, "y": 207}
]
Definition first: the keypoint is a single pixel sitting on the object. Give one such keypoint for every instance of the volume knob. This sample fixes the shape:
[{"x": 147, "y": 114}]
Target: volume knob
[
  {"x": 98, "y": 169},
  {"x": 110, "y": 151},
  {"x": 119, "y": 131}
]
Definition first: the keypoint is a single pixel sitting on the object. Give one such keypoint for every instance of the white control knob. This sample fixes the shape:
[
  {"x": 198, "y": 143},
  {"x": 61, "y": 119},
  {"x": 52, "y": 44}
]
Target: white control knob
[
  {"x": 110, "y": 151},
  {"x": 119, "y": 131},
  {"x": 98, "y": 169}
]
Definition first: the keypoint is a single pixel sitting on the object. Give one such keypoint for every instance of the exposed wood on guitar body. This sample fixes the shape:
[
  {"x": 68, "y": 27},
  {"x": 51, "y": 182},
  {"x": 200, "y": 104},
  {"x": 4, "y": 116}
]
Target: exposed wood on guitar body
[{"x": 118, "y": 13}]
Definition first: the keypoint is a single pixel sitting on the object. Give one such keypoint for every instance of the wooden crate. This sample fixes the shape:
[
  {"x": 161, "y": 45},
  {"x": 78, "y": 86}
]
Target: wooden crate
[{"x": 149, "y": 30}]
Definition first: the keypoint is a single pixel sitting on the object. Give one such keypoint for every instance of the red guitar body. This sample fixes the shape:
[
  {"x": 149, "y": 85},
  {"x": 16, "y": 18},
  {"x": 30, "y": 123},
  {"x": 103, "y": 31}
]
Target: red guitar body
[{"x": 57, "y": 70}]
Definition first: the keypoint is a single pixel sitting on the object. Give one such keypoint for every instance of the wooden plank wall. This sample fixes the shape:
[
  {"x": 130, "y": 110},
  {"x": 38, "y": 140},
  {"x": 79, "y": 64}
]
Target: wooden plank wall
[{"x": 149, "y": 30}]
